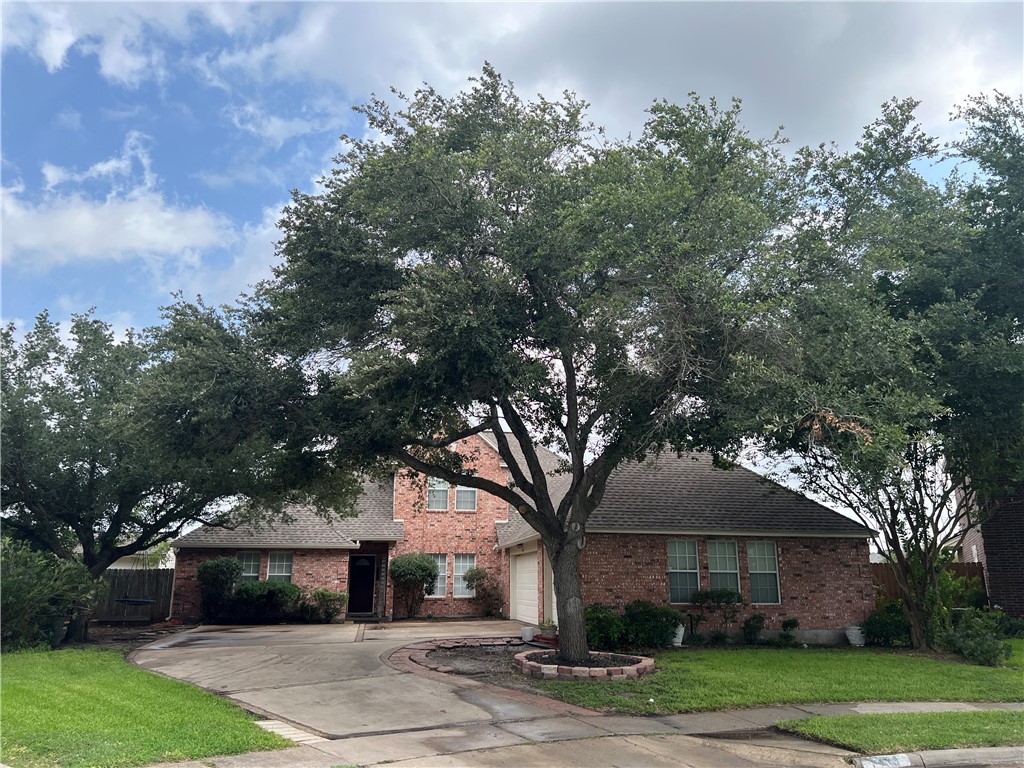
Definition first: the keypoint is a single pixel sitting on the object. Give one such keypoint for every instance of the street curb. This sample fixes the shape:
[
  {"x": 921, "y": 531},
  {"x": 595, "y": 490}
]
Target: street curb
[{"x": 946, "y": 758}]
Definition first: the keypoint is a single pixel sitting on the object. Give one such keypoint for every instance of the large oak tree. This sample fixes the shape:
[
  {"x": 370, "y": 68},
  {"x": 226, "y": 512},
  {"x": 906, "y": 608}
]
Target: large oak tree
[{"x": 483, "y": 262}]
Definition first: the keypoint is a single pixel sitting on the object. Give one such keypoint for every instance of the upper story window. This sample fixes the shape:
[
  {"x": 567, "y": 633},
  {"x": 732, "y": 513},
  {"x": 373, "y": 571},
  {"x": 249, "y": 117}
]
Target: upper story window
[
  {"x": 465, "y": 498},
  {"x": 250, "y": 566},
  {"x": 723, "y": 565},
  {"x": 437, "y": 493}
]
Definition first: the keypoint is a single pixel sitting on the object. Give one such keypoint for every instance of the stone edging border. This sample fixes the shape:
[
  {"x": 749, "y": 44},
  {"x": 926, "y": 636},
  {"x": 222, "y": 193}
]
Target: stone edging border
[{"x": 642, "y": 667}]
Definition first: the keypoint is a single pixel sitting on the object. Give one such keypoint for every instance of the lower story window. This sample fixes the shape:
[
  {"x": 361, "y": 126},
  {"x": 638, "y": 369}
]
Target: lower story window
[
  {"x": 280, "y": 566},
  {"x": 763, "y": 565},
  {"x": 723, "y": 565},
  {"x": 438, "y": 590},
  {"x": 250, "y": 566},
  {"x": 683, "y": 576},
  {"x": 462, "y": 564}
]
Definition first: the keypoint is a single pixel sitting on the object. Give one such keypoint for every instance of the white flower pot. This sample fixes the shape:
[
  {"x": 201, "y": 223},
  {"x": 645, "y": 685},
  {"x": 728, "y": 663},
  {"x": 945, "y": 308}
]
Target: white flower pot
[
  {"x": 680, "y": 634},
  {"x": 855, "y": 635}
]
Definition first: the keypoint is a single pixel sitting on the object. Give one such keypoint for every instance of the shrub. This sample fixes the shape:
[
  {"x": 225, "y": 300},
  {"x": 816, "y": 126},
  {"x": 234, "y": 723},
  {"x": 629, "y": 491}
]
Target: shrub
[
  {"x": 217, "y": 579},
  {"x": 266, "y": 602},
  {"x": 39, "y": 592},
  {"x": 647, "y": 625},
  {"x": 787, "y": 636},
  {"x": 723, "y": 603},
  {"x": 1011, "y": 626},
  {"x": 718, "y": 637},
  {"x": 976, "y": 636},
  {"x": 887, "y": 626},
  {"x": 752, "y": 628},
  {"x": 604, "y": 628},
  {"x": 486, "y": 589},
  {"x": 322, "y": 606},
  {"x": 412, "y": 573}
]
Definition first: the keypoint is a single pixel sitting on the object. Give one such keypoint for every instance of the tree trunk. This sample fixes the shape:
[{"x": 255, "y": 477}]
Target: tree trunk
[
  {"x": 78, "y": 627},
  {"x": 572, "y": 633}
]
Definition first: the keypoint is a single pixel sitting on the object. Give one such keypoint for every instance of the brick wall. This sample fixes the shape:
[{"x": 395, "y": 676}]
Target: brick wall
[
  {"x": 311, "y": 568},
  {"x": 825, "y": 583},
  {"x": 451, "y": 532},
  {"x": 1003, "y": 534}
]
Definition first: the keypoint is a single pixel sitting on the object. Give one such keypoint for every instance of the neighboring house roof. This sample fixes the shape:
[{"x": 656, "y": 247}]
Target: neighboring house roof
[
  {"x": 374, "y": 522},
  {"x": 687, "y": 495}
]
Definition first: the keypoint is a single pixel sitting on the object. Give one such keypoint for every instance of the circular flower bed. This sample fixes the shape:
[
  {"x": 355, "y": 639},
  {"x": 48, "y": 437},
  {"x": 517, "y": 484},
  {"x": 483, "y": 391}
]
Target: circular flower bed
[{"x": 532, "y": 663}]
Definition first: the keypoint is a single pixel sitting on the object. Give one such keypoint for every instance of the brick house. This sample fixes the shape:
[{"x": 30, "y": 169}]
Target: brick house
[
  {"x": 998, "y": 544},
  {"x": 666, "y": 527}
]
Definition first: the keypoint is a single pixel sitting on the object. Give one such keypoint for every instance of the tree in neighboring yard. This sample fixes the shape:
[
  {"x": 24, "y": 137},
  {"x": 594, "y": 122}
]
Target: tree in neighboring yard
[
  {"x": 112, "y": 446},
  {"x": 898, "y": 377},
  {"x": 494, "y": 264}
]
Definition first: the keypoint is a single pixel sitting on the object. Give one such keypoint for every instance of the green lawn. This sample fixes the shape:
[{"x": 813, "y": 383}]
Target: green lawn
[
  {"x": 885, "y": 734},
  {"x": 88, "y": 708},
  {"x": 700, "y": 679}
]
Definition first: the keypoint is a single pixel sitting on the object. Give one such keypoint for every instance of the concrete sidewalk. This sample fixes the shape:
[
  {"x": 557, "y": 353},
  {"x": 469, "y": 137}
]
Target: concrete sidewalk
[{"x": 331, "y": 690}]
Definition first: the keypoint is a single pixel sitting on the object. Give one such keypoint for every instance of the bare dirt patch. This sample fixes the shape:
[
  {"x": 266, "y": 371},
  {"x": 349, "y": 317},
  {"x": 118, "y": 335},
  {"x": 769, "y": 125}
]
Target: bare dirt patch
[{"x": 488, "y": 664}]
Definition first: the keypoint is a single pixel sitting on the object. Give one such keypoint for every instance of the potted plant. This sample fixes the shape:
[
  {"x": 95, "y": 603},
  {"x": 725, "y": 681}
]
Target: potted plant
[
  {"x": 548, "y": 628},
  {"x": 855, "y": 635}
]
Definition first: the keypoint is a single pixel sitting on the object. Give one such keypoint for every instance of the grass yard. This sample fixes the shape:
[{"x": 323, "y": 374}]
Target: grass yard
[
  {"x": 701, "y": 679},
  {"x": 881, "y": 734},
  {"x": 89, "y": 708}
]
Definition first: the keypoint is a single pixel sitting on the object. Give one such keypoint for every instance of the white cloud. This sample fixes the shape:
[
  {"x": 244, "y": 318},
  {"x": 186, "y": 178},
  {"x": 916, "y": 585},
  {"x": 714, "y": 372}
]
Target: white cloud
[
  {"x": 120, "y": 35},
  {"x": 250, "y": 260},
  {"x": 134, "y": 153},
  {"x": 72, "y": 227},
  {"x": 69, "y": 118}
]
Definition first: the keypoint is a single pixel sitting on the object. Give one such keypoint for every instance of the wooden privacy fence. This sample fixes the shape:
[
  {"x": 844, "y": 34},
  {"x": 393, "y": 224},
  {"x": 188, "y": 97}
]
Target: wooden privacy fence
[
  {"x": 134, "y": 588},
  {"x": 885, "y": 579}
]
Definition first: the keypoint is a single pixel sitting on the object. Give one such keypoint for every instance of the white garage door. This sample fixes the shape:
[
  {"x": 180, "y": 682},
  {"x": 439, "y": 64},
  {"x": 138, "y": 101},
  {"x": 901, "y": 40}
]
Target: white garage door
[{"x": 524, "y": 587}]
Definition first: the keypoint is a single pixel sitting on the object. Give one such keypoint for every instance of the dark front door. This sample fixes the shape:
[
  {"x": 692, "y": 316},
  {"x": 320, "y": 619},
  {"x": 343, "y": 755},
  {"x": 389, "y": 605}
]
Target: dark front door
[{"x": 362, "y": 573}]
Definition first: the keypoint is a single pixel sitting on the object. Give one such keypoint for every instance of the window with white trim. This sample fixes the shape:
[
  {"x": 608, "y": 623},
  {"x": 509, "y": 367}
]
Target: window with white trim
[
  {"x": 465, "y": 499},
  {"x": 683, "y": 574},
  {"x": 462, "y": 564},
  {"x": 437, "y": 494},
  {"x": 723, "y": 565},
  {"x": 250, "y": 566},
  {"x": 280, "y": 566},
  {"x": 763, "y": 565},
  {"x": 440, "y": 584}
]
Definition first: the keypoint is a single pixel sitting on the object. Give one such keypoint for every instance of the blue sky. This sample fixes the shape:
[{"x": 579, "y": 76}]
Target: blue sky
[{"x": 148, "y": 148}]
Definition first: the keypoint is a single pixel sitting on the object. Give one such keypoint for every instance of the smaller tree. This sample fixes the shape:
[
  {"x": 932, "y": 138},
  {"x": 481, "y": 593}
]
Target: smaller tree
[
  {"x": 485, "y": 587},
  {"x": 39, "y": 593},
  {"x": 413, "y": 574},
  {"x": 217, "y": 579}
]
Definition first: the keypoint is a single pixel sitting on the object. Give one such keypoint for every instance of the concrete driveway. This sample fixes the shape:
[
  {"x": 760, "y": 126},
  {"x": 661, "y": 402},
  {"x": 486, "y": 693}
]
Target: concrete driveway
[{"x": 328, "y": 688}]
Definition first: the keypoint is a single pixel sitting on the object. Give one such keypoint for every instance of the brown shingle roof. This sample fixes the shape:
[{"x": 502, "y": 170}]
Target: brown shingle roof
[
  {"x": 687, "y": 494},
  {"x": 374, "y": 522}
]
